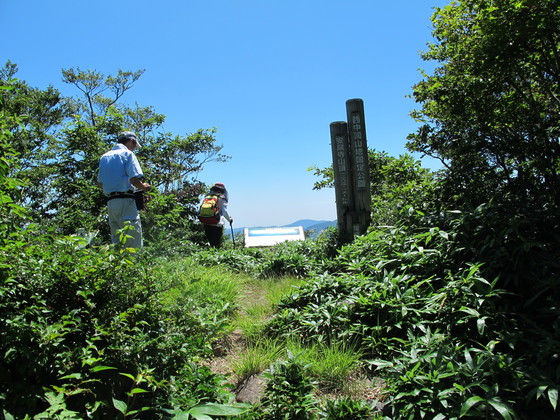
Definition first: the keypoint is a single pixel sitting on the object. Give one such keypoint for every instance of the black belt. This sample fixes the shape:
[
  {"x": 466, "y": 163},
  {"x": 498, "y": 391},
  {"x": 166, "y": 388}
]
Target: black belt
[{"x": 121, "y": 194}]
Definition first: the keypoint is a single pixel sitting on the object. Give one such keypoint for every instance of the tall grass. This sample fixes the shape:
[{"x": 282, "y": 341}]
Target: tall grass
[
  {"x": 187, "y": 280},
  {"x": 257, "y": 357},
  {"x": 258, "y": 303},
  {"x": 330, "y": 365}
]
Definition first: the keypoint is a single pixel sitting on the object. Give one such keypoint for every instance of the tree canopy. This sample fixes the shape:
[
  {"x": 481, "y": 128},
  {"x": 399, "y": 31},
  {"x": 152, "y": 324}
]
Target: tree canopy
[
  {"x": 60, "y": 140},
  {"x": 491, "y": 110}
]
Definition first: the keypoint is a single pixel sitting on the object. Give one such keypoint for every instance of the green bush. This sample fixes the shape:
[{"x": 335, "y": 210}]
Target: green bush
[
  {"x": 89, "y": 325},
  {"x": 345, "y": 408},
  {"x": 441, "y": 334},
  {"x": 289, "y": 392},
  {"x": 297, "y": 259}
]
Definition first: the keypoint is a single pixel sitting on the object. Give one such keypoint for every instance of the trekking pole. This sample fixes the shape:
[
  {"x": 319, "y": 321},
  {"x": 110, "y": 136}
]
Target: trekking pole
[{"x": 232, "y": 237}]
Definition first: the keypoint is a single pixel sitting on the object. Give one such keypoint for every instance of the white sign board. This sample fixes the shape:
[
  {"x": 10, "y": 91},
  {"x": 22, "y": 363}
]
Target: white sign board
[{"x": 272, "y": 235}]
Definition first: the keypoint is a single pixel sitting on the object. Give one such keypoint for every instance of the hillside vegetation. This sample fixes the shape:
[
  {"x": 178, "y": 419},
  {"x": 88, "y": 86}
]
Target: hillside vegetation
[{"x": 446, "y": 308}]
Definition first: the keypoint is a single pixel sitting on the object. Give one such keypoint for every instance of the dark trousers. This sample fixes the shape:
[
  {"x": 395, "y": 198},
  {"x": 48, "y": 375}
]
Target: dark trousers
[{"x": 214, "y": 235}]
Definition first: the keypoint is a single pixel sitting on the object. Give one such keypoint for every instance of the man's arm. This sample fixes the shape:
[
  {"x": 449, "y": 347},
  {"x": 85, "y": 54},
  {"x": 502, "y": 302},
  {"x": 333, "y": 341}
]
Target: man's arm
[{"x": 137, "y": 182}]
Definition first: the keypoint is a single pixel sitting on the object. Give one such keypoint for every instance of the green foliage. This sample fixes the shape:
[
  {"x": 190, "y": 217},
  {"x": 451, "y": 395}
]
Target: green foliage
[
  {"x": 297, "y": 259},
  {"x": 206, "y": 411},
  {"x": 399, "y": 183},
  {"x": 396, "y": 185},
  {"x": 315, "y": 313},
  {"x": 330, "y": 365},
  {"x": 89, "y": 326},
  {"x": 451, "y": 296},
  {"x": 288, "y": 393},
  {"x": 62, "y": 139},
  {"x": 518, "y": 243},
  {"x": 261, "y": 297},
  {"x": 345, "y": 408},
  {"x": 92, "y": 326},
  {"x": 258, "y": 356},
  {"x": 11, "y": 214},
  {"x": 434, "y": 376},
  {"x": 490, "y": 112},
  {"x": 202, "y": 286},
  {"x": 441, "y": 334}
]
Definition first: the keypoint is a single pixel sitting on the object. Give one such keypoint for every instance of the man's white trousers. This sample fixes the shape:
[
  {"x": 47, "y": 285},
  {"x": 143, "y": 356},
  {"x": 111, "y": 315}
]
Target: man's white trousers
[{"x": 123, "y": 212}]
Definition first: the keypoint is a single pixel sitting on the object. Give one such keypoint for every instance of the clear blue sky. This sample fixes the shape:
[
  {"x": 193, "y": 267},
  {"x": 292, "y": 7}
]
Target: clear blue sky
[{"x": 270, "y": 75}]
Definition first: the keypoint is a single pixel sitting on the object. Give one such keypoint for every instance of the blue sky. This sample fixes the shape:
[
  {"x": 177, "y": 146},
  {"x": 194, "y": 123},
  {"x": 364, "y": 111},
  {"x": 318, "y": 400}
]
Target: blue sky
[{"x": 269, "y": 75}]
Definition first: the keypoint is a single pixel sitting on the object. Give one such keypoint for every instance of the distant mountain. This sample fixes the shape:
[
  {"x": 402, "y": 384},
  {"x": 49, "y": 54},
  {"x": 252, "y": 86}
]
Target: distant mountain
[
  {"x": 307, "y": 224},
  {"x": 319, "y": 227}
]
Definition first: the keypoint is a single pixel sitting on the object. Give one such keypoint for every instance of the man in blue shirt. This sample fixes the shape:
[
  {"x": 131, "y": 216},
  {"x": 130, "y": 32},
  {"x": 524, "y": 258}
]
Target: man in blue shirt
[{"x": 119, "y": 175}]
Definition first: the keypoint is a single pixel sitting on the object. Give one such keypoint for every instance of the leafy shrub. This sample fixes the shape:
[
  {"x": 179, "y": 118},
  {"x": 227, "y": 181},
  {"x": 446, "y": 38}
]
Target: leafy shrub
[
  {"x": 286, "y": 259},
  {"x": 423, "y": 251},
  {"x": 346, "y": 408},
  {"x": 238, "y": 260},
  {"x": 90, "y": 327},
  {"x": 440, "y": 332},
  {"x": 317, "y": 313},
  {"x": 434, "y": 374},
  {"x": 288, "y": 393}
]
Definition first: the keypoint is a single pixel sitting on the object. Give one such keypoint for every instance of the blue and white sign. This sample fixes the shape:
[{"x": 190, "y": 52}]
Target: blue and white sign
[{"x": 272, "y": 235}]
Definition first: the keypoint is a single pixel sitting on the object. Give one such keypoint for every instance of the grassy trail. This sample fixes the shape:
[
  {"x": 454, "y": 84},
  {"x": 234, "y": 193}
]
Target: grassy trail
[{"x": 245, "y": 352}]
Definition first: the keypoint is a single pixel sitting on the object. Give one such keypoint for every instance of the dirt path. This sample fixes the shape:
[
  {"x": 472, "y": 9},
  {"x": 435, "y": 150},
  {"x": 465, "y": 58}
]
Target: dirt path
[
  {"x": 229, "y": 349},
  {"x": 250, "y": 390}
]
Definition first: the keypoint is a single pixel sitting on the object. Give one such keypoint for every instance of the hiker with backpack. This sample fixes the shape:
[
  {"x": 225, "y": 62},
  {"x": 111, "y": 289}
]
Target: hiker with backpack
[{"x": 212, "y": 209}]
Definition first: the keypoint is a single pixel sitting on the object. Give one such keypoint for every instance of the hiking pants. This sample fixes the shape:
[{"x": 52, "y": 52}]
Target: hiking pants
[
  {"x": 214, "y": 235},
  {"x": 122, "y": 212}
]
